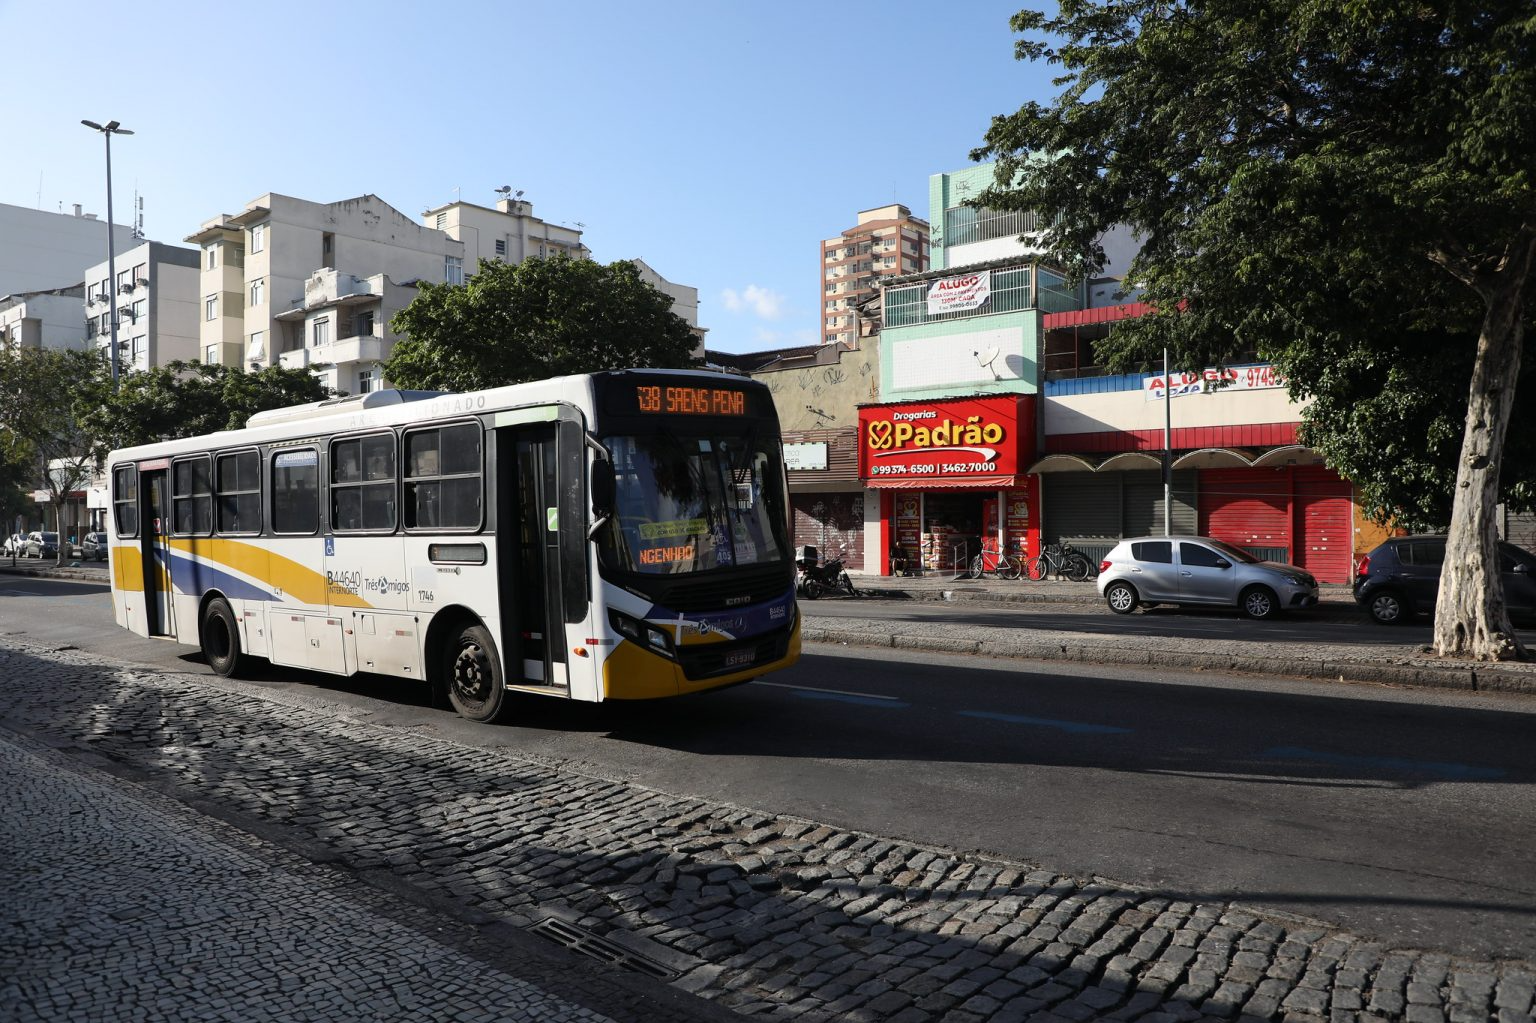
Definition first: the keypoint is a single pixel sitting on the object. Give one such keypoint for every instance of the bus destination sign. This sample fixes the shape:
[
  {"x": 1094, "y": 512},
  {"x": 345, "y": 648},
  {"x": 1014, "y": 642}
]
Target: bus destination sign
[{"x": 691, "y": 401}]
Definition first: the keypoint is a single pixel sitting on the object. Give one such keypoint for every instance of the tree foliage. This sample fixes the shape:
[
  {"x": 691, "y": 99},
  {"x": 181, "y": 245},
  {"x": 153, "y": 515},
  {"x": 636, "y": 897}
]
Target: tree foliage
[
  {"x": 537, "y": 319},
  {"x": 1342, "y": 186},
  {"x": 44, "y": 394},
  {"x": 182, "y": 399}
]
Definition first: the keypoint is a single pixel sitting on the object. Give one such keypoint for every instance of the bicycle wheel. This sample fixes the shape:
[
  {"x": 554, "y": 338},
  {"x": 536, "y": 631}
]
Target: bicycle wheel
[
  {"x": 1007, "y": 568},
  {"x": 1037, "y": 568},
  {"x": 977, "y": 567},
  {"x": 1076, "y": 568}
]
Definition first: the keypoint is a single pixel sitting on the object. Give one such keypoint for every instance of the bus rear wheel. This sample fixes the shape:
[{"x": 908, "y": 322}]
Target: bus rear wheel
[
  {"x": 471, "y": 672},
  {"x": 220, "y": 637}
]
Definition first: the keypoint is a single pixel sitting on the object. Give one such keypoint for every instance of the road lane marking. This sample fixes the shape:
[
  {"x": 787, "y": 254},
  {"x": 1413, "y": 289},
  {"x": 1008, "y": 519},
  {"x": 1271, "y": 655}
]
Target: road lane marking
[
  {"x": 1076, "y": 727},
  {"x": 1401, "y": 765},
  {"x": 841, "y": 695}
]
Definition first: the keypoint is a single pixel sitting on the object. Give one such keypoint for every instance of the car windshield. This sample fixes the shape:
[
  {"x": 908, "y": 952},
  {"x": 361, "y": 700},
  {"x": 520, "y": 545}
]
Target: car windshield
[
  {"x": 1235, "y": 553},
  {"x": 695, "y": 502}
]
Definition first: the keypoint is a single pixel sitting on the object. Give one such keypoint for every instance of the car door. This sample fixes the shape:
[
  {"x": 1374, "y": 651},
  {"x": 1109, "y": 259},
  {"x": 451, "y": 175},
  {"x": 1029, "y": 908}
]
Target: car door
[
  {"x": 1152, "y": 570},
  {"x": 1205, "y": 577},
  {"x": 1420, "y": 571},
  {"x": 1517, "y": 570}
]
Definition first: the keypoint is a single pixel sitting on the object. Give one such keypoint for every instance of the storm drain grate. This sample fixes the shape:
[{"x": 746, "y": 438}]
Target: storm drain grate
[{"x": 602, "y": 949}]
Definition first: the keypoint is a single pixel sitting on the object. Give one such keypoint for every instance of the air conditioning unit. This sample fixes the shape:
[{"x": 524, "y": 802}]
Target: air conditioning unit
[
  {"x": 102, "y": 296},
  {"x": 142, "y": 282},
  {"x": 123, "y": 289}
]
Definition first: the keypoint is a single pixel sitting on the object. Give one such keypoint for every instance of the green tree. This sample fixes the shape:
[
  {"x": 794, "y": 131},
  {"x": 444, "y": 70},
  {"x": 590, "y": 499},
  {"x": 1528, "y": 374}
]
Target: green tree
[
  {"x": 540, "y": 318},
  {"x": 1310, "y": 179},
  {"x": 44, "y": 394},
  {"x": 182, "y": 399}
]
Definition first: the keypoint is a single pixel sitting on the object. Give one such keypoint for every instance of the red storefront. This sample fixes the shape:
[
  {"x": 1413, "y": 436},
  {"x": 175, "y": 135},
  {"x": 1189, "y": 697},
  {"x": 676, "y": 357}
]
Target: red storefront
[{"x": 950, "y": 475}]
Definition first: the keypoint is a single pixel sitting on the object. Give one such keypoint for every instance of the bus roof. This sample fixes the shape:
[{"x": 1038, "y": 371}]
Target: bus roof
[{"x": 378, "y": 409}]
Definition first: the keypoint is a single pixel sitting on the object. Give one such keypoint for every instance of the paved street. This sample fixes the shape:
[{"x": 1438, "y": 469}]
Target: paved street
[{"x": 758, "y": 912}]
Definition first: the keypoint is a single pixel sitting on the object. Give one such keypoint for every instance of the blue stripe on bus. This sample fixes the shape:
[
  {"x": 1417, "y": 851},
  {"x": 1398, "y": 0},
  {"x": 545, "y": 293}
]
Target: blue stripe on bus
[{"x": 197, "y": 577}]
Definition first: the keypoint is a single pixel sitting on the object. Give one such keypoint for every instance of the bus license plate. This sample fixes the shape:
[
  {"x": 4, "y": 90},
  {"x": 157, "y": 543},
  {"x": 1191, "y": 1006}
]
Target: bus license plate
[{"x": 739, "y": 658}]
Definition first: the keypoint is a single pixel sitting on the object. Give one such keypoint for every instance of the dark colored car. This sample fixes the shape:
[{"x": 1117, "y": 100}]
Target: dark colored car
[
  {"x": 94, "y": 547},
  {"x": 1401, "y": 578}
]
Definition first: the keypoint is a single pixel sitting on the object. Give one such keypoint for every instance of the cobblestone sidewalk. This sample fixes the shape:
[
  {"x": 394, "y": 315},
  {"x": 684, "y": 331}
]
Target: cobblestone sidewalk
[{"x": 767, "y": 915}]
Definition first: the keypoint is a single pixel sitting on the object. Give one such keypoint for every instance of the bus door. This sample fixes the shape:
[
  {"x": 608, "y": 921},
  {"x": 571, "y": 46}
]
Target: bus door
[
  {"x": 540, "y": 585},
  {"x": 155, "y": 550}
]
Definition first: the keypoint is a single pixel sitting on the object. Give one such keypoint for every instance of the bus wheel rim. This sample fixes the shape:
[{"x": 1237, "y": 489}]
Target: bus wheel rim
[{"x": 471, "y": 673}]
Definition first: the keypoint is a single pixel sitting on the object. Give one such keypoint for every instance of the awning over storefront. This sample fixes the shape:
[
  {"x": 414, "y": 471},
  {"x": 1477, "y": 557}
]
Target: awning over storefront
[
  {"x": 1063, "y": 463},
  {"x": 1131, "y": 460},
  {"x": 1215, "y": 458},
  {"x": 1290, "y": 454}
]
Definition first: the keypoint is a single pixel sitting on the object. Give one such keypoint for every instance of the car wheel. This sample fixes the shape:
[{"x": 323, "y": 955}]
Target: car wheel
[
  {"x": 1389, "y": 608},
  {"x": 1260, "y": 602},
  {"x": 220, "y": 638},
  {"x": 472, "y": 672},
  {"x": 1121, "y": 598}
]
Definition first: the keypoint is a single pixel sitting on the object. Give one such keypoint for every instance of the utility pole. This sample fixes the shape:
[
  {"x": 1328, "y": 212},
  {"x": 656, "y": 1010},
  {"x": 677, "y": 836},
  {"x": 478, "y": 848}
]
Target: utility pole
[{"x": 109, "y": 129}]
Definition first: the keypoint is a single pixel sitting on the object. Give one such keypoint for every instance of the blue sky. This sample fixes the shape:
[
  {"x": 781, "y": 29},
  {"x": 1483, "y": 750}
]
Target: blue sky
[{"x": 720, "y": 142}]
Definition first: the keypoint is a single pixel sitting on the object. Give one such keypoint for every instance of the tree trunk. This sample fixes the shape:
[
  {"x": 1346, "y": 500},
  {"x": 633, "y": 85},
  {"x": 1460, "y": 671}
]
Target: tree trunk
[{"x": 1470, "y": 617}]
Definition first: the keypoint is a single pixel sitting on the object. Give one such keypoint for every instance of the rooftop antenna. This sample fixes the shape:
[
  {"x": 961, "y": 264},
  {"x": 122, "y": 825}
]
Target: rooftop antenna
[{"x": 505, "y": 191}]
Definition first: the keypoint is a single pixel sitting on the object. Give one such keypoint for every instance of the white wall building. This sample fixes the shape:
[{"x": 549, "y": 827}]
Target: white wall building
[
  {"x": 155, "y": 294},
  {"x": 256, "y": 266},
  {"x": 344, "y": 321},
  {"x": 510, "y": 232},
  {"x": 43, "y": 319},
  {"x": 41, "y": 250}
]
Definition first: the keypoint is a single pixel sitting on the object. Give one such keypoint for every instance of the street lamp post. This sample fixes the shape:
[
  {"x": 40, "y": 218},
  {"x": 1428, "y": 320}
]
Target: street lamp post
[{"x": 109, "y": 129}]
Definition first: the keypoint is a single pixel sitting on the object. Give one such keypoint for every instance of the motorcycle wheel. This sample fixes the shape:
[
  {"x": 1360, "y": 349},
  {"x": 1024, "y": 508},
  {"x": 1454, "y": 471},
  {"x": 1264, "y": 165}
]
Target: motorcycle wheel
[
  {"x": 810, "y": 589},
  {"x": 847, "y": 584}
]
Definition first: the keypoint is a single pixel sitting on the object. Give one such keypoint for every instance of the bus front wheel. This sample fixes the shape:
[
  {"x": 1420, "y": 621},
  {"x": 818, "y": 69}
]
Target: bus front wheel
[
  {"x": 472, "y": 674},
  {"x": 221, "y": 638}
]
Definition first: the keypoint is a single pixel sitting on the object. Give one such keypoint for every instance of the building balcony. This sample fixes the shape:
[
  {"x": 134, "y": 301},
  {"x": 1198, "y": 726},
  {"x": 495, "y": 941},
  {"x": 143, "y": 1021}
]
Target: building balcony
[{"x": 341, "y": 352}]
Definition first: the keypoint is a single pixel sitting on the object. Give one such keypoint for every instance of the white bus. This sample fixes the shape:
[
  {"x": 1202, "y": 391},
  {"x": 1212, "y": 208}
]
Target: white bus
[{"x": 621, "y": 535}]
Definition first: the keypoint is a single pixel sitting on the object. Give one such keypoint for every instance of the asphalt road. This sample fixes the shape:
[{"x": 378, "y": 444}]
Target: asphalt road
[{"x": 1407, "y": 816}]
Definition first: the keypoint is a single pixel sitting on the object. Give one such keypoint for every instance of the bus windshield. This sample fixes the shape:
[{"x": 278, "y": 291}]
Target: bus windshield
[{"x": 692, "y": 502}]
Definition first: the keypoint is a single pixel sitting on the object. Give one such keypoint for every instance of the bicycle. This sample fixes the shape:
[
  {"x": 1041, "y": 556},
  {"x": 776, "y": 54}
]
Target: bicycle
[
  {"x": 997, "y": 563},
  {"x": 1061, "y": 559}
]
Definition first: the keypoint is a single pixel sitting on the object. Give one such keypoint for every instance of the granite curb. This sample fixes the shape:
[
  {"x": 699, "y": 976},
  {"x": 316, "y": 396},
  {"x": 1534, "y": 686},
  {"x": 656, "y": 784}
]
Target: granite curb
[{"x": 1300, "y": 664}]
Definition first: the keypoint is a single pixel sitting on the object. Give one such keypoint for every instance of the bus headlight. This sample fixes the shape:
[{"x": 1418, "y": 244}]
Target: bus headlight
[{"x": 644, "y": 633}]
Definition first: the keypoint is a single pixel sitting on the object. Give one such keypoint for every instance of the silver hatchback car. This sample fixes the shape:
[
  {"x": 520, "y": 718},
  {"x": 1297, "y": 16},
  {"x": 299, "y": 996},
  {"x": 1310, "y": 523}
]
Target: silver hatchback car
[{"x": 1155, "y": 570}]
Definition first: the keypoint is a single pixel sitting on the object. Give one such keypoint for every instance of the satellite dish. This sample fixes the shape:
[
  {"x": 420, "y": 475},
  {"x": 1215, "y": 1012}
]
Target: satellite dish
[{"x": 986, "y": 357}]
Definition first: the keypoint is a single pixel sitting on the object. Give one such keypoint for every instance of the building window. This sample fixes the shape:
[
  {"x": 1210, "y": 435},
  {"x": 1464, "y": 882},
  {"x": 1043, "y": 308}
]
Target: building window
[
  {"x": 320, "y": 333},
  {"x": 140, "y": 350},
  {"x": 501, "y": 246},
  {"x": 106, "y": 322},
  {"x": 442, "y": 221},
  {"x": 365, "y": 324},
  {"x": 367, "y": 380},
  {"x": 211, "y": 355},
  {"x": 256, "y": 348},
  {"x": 213, "y": 258},
  {"x": 453, "y": 269},
  {"x": 125, "y": 280},
  {"x": 258, "y": 292},
  {"x": 141, "y": 273},
  {"x": 237, "y": 485},
  {"x": 139, "y": 308},
  {"x": 211, "y": 307},
  {"x": 259, "y": 238}
]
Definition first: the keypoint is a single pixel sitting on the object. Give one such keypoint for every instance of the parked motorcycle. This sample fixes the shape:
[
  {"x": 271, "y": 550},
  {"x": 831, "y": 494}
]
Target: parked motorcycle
[{"x": 812, "y": 578}]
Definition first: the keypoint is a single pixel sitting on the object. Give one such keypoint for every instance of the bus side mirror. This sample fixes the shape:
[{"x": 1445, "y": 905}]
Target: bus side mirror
[{"x": 602, "y": 487}]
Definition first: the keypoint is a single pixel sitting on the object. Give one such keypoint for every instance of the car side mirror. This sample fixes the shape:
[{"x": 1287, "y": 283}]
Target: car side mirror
[
  {"x": 1522, "y": 568},
  {"x": 1223, "y": 563}
]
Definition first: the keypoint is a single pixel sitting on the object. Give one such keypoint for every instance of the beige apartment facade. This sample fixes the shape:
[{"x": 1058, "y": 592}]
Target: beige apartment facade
[
  {"x": 508, "y": 232},
  {"x": 887, "y": 241},
  {"x": 257, "y": 266}
]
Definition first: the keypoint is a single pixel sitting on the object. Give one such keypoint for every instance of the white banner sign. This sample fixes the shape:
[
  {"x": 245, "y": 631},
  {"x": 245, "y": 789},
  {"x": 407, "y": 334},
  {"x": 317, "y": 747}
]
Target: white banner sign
[
  {"x": 953, "y": 294},
  {"x": 1213, "y": 381},
  {"x": 805, "y": 456}
]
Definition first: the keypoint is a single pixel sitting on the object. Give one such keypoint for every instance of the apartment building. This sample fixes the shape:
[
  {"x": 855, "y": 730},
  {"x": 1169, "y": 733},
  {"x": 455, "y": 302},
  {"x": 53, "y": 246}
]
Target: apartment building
[
  {"x": 258, "y": 265},
  {"x": 41, "y": 250},
  {"x": 508, "y": 232},
  {"x": 344, "y": 321},
  {"x": 155, "y": 296},
  {"x": 887, "y": 241},
  {"x": 43, "y": 319}
]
